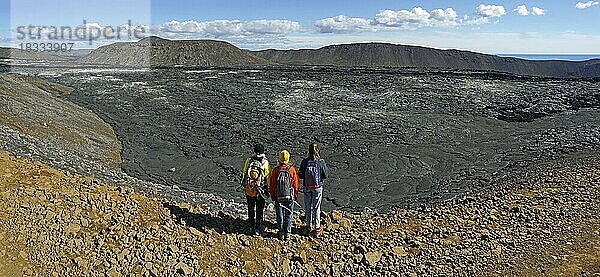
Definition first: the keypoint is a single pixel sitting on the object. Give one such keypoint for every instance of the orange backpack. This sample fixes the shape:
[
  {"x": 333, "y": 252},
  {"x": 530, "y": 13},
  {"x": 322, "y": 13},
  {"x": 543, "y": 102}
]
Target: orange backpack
[{"x": 254, "y": 177}]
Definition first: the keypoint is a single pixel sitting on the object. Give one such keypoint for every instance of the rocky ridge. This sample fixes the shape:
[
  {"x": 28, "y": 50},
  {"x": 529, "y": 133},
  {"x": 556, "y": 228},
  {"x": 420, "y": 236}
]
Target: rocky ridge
[
  {"x": 159, "y": 52},
  {"x": 18, "y": 54},
  {"x": 393, "y": 55},
  {"x": 30, "y": 106}
]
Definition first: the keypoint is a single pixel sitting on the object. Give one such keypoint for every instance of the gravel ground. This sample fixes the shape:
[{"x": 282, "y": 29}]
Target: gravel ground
[{"x": 542, "y": 223}]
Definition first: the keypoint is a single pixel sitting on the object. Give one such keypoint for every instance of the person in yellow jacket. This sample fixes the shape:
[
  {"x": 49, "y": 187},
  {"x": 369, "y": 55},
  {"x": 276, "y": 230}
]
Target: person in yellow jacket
[{"x": 256, "y": 187}]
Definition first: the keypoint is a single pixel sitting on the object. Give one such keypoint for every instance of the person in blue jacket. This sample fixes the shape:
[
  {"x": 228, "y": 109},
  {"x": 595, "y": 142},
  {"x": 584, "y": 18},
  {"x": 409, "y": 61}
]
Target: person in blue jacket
[{"x": 313, "y": 170}]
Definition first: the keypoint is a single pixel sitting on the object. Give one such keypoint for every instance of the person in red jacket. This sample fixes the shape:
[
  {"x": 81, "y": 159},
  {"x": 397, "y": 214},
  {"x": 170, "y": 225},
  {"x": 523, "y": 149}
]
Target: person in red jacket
[{"x": 284, "y": 191}]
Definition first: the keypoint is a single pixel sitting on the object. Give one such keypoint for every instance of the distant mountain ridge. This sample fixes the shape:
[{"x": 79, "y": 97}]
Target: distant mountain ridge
[
  {"x": 393, "y": 55},
  {"x": 159, "y": 52},
  {"x": 18, "y": 54}
]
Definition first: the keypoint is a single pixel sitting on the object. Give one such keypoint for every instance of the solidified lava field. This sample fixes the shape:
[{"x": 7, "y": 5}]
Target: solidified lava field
[{"x": 390, "y": 137}]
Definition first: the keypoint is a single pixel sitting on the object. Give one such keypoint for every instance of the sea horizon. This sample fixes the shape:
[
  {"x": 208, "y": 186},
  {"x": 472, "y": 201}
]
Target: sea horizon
[{"x": 560, "y": 57}]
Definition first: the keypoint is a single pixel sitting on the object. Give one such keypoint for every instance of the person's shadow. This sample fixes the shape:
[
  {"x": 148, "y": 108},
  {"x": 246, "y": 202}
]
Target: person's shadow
[{"x": 223, "y": 223}]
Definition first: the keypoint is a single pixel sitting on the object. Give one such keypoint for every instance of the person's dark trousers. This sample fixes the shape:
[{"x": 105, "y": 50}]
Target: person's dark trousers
[
  {"x": 285, "y": 213},
  {"x": 256, "y": 208}
]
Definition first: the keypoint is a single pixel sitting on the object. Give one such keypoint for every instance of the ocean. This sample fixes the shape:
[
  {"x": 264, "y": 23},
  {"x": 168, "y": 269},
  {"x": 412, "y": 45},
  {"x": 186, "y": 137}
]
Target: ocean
[{"x": 563, "y": 57}]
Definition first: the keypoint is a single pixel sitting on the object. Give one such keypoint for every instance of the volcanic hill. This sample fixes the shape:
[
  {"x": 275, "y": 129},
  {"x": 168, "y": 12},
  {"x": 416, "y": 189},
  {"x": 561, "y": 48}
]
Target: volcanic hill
[
  {"x": 392, "y": 55},
  {"x": 159, "y": 52}
]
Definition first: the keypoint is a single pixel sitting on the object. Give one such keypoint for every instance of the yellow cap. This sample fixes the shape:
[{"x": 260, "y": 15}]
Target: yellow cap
[{"x": 284, "y": 157}]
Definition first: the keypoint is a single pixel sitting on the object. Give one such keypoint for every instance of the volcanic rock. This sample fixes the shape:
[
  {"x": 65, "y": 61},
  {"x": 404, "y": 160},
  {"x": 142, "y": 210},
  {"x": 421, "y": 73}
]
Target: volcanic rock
[
  {"x": 393, "y": 55},
  {"x": 159, "y": 52}
]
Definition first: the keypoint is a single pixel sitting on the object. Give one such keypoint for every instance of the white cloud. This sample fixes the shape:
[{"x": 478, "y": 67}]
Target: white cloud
[
  {"x": 224, "y": 28},
  {"x": 272, "y": 26},
  {"x": 491, "y": 10},
  {"x": 132, "y": 28},
  {"x": 392, "y": 20},
  {"x": 90, "y": 26},
  {"x": 537, "y": 11},
  {"x": 585, "y": 5},
  {"x": 418, "y": 17},
  {"x": 345, "y": 24},
  {"x": 444, "y": 18},
  {"x": 478, "y": 21},
  {"x": 255, "y": 34},
  {"x": 522, "y": 10}
]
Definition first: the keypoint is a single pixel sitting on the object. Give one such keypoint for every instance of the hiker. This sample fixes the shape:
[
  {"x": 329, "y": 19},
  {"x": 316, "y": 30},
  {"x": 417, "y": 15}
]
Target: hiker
[
  {"x": 255, "y": 183},
  {"x": 284, "y": 191},
  {"x": 313, "y": 170}
]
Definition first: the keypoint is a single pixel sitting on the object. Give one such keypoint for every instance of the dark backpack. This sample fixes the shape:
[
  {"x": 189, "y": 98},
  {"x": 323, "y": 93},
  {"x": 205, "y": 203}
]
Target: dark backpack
[
  {"x": 312, "y": 174},
  {"x": 285, "y": 191}
]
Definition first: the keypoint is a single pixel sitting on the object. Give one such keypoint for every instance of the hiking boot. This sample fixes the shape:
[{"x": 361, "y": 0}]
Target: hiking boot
[
  {"x": 307, "y": 231},
  {"x": 317, "y": 232},
  {"x": 286, "y": 236},
  {"x": 281, "y": 236},
  {"x": 260, "y": 230}
]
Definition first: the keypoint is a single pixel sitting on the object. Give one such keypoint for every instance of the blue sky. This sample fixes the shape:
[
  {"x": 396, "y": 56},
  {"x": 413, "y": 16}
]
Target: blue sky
[
  {"x": 563, "y": 13},
  {"x": 485, "y": 26}
]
